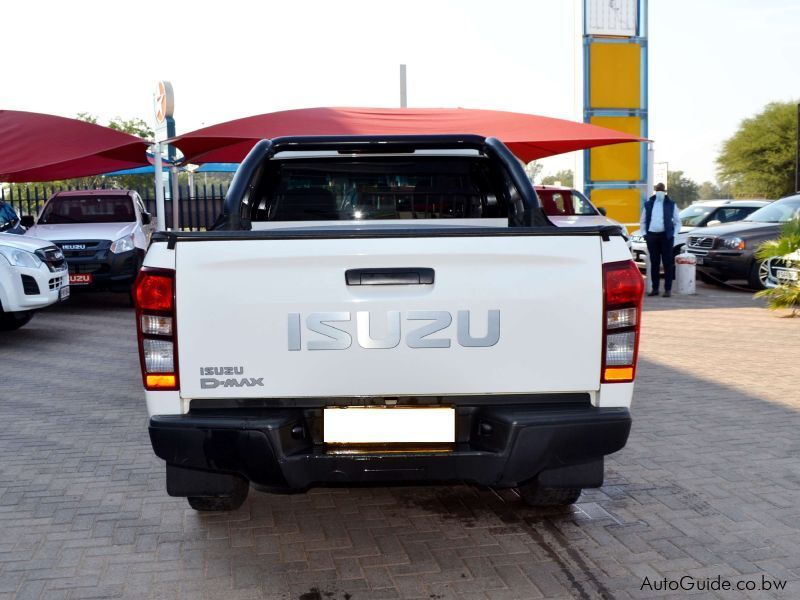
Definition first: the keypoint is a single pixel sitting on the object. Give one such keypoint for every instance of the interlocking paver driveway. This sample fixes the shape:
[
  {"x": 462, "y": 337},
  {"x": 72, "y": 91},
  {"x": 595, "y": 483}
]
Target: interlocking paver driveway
[{"x": 708, "y": 485}]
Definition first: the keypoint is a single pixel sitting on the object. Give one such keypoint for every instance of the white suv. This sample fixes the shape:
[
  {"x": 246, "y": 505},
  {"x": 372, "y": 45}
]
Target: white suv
[{"x": 33, "y": 275}]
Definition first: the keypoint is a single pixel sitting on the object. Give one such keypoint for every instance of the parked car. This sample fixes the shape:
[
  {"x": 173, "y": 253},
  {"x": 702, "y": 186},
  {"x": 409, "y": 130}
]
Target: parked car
[
  {"x": 567, "y": 207},
  {"x": 386, "y": 309},
  {"x": 103, "y": 233},
  {"x": 784, "y": 269},
  {"x": 9, "y": 219},
  {"x": 705, "y": 213},
  {"x": 728, "y": 251},
  {"x": 33, "y": 275}
]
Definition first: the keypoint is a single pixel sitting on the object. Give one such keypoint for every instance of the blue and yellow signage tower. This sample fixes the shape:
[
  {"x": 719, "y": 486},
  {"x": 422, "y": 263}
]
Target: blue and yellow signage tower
[{"x": 615, "y": 96}]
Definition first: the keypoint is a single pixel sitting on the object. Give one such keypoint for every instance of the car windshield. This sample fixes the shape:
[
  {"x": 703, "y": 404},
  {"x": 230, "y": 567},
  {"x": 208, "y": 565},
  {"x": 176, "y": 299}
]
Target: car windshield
[
  {"x": 88, "y": 209},
  {"x": 693, "y": 216},
  {"x": 777, "y": 212}
]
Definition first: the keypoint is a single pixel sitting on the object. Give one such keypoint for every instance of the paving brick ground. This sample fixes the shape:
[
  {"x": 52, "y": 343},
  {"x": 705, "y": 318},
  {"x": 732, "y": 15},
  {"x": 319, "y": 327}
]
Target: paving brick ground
[{"x": 708, "y": 485}]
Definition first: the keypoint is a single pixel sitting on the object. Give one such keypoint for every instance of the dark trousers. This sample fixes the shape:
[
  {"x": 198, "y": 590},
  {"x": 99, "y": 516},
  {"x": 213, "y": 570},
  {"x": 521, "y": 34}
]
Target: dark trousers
[{"x": 659, "y": 247}]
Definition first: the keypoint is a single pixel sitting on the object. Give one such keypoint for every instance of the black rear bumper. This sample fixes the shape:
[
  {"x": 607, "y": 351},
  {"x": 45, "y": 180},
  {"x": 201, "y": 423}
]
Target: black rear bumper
[{"x": 497, "y": 445}]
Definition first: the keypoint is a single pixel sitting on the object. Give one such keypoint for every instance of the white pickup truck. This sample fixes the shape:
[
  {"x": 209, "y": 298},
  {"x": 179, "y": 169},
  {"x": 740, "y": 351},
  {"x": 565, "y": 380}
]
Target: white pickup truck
[
  {"x": 102, "y": 233},
  {"x": 33, "y": 275},
  {"x": 386, "y": 309}
]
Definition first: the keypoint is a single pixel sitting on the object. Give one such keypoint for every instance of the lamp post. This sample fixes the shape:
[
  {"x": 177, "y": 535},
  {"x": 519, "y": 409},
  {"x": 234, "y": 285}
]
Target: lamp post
[{"x": 403, "y": 88}]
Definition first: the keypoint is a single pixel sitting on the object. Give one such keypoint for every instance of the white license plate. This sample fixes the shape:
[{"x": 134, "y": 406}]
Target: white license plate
[
  {"x": 63, "y": 293},
  {"x": 787, "y": 275},
  {"x": 390, "y": 425}
]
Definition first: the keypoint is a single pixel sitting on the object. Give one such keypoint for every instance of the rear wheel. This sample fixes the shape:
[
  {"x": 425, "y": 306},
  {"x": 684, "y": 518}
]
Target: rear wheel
[
  {"x": 231, "y": 501},
  {"x": 9, "y": 321},
  {"x": 542, "y": 496}
]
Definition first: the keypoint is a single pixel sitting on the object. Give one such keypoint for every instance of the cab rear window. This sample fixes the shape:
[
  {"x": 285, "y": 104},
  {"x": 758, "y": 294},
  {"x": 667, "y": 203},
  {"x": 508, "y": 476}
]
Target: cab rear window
[{"x": 378, "y": 188}]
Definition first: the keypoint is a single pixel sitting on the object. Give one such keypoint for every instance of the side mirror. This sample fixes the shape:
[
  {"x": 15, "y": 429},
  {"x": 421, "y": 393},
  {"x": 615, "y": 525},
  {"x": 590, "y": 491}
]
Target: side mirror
[
  {"x": 714, "y": 222},
  {"x": 602, "y": 210},
  {"x": 146, "y": 218},
  {"x": 27, "y": 221}
]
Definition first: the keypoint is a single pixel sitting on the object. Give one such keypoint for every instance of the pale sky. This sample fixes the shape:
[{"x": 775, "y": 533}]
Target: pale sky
[{"x": 712, "y": 62}]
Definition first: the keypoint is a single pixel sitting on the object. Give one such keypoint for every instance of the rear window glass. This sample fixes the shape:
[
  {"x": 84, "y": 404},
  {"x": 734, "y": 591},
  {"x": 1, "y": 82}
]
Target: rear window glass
[
  {"x": 564, "y": 203},
  {"x": 378, "y": 188},
  {"x": 88, "y": 209}
]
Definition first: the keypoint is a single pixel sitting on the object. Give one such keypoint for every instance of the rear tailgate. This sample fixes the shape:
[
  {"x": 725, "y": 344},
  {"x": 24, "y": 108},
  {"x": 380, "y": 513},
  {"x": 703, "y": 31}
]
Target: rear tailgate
[{"x": 244, "y": 307}]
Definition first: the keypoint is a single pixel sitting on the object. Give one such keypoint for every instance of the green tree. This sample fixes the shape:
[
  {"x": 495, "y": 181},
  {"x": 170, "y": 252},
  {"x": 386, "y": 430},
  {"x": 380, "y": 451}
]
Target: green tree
[
  {"x": 564, "y": 177},
  {"x": 681, "y": 189},
  {"x": 758, "y": 160},
  {"x": 708, "y": 191},
  {"x": 533, "y": 169},
  {"x": 137, "y": 127}
]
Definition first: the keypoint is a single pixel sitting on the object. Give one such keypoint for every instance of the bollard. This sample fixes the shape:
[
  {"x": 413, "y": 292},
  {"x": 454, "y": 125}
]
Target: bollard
[
  {"x": 685, "y": 264},
  {"x": 648, "y": 282}
]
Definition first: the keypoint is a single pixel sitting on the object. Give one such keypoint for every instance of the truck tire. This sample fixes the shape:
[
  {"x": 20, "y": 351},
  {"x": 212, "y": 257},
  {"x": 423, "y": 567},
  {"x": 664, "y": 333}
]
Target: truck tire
[
  {"x": 222, "y": 503},
  {"x": 14, "y": 320},
  {"x": 541, "y": 496},
  {"x": 759, "y": 273}
]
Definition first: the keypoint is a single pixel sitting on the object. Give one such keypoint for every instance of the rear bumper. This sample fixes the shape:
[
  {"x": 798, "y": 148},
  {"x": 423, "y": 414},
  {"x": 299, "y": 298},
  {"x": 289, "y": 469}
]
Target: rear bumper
[{"x": 498, "y": 445}]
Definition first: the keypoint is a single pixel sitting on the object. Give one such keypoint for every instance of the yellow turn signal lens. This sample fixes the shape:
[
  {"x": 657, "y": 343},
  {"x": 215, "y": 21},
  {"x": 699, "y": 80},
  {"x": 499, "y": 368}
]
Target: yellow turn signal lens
[
  {"x": 618, "y": 374},
  {"x": 160, "y": 381}
]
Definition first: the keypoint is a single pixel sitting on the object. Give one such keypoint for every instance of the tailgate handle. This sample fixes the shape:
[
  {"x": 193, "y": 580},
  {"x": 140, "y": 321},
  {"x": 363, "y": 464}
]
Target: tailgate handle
[{"x": 402, "y": 276}]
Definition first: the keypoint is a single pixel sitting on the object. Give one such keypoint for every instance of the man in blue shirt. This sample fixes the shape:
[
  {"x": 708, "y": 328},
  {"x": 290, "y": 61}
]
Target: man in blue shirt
[{"x": 660, "y": 221}]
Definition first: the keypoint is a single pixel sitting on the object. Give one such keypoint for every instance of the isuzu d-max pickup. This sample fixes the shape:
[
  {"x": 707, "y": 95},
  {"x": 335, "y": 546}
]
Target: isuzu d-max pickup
[
  {"x": 102, "y": 233},
  {"x": 374, "y": 309}
]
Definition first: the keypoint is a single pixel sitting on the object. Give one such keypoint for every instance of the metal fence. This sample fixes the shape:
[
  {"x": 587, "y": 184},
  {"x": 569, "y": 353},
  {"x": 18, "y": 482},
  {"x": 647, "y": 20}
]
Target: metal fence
[{"x": 199, "y": 208}]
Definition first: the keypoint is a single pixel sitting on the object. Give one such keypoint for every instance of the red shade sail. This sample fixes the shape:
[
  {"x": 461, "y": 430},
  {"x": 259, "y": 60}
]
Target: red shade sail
[
  {"x": 39, "y": 147},
  {"x": 528, "y": 136}
]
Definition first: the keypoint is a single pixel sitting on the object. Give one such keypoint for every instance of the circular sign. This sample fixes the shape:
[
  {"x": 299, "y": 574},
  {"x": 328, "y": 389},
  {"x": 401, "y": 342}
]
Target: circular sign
[{"x": 164, "y": 101}]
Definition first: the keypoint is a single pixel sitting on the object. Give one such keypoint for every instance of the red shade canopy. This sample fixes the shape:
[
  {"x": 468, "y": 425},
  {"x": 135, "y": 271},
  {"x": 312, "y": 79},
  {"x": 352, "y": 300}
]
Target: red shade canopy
[
  {"x": 528, "y": 136},
  {"x": 39, "y": 147}
]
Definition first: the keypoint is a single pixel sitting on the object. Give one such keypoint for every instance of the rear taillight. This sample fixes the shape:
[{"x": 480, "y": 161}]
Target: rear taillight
[
  {"x": 623, "y": 288},
  {"x": 154, "y": 296}
]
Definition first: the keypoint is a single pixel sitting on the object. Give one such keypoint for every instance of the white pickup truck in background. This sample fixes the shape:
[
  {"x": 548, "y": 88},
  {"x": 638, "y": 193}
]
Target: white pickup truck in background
[
  {"x": 103, "y": 234},
  {"x": 386, "y": 309}
]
